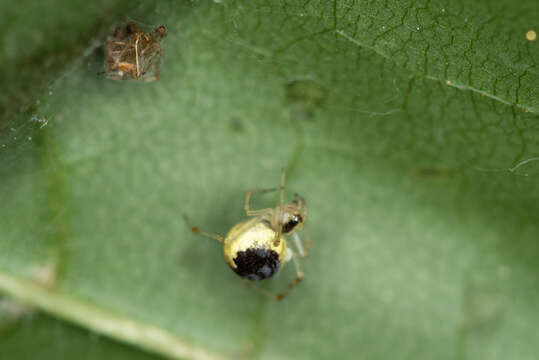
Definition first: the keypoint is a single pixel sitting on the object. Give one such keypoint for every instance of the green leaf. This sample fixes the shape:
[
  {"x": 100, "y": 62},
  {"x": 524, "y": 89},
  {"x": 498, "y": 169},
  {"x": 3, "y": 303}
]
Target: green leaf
[
  {"x": 37, "y": 337},
  {"x": 409, "y": 127}
]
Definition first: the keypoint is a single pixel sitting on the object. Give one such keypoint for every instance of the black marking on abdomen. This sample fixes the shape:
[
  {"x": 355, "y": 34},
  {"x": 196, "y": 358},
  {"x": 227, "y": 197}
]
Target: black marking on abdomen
[{"x": 256, "y": 263}]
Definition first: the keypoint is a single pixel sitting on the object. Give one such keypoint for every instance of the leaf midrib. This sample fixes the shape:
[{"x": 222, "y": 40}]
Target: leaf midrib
[{"x": 103, "y": 321}]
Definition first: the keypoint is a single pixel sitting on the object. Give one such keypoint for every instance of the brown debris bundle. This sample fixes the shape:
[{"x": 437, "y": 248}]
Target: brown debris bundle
[{"x": 132, "y": 54}]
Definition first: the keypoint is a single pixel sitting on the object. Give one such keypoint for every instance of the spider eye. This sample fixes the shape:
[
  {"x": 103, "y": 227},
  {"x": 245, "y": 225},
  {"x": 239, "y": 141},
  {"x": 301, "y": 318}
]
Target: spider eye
[{"x": 291, "y": 224}]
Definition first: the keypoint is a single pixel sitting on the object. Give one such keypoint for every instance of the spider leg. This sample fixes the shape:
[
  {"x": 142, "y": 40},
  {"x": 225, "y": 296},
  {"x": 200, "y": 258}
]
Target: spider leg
[
  {"x": 302, "y": 247},
  {"x": 196, "y": 230},
  {"x": 247, "y": 201},
  {"x": 279, "y": 221},
  {"x": 296, "y": 281}
]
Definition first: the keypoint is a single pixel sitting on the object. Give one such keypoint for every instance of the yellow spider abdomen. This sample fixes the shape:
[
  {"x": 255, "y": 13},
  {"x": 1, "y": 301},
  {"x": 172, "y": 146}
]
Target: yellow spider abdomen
[{"x": 250, "y": 250}]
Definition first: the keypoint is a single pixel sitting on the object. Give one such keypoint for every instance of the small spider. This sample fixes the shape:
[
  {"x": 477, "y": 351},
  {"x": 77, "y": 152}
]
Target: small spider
[
  {"x": 131, "y": 53},
  {"x": 256, "y": 249}
]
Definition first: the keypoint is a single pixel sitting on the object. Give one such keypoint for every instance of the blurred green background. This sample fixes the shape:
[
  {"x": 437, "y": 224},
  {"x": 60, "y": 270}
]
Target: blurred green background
[{"x": 410, "y": 127}]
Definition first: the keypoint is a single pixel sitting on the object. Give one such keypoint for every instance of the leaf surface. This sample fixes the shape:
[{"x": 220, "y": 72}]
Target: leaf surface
[{"x": 409, "y": 127}]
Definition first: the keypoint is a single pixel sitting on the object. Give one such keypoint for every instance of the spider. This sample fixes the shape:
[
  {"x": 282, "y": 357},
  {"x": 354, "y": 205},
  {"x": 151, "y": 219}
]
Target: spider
[
  {"x": 256, "y": 248},
  {"x": 131, "y": 53}
]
